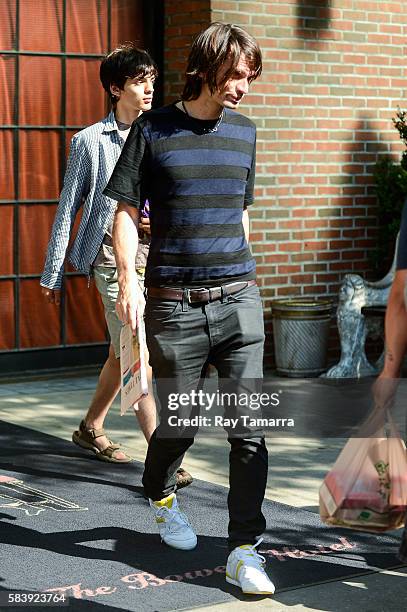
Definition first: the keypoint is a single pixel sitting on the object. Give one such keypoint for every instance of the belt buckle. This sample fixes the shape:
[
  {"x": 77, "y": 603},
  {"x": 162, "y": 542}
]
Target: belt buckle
[{"x": 186, "y": 295}]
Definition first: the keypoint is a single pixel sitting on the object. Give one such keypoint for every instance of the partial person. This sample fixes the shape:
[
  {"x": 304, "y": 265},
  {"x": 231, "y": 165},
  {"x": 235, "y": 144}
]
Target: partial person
[
  {"x": 127, "y": 75},
  {"x": 195, "y": 161},
  {"x": 385, "y": 387}
]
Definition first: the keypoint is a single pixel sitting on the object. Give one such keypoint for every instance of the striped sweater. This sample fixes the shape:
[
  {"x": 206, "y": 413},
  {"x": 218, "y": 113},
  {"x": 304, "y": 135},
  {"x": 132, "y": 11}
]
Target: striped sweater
[{"x": 198, "y": 182}]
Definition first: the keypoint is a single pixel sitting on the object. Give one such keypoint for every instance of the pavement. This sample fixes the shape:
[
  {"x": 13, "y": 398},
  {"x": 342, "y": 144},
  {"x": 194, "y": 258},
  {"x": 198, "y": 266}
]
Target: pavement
[{"x": 55, "y": 406}]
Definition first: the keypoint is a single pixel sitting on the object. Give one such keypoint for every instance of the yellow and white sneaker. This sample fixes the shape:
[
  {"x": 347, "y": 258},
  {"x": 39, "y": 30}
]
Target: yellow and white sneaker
[
  {"x": 244, "y": 569},
  {"x": 174, "y": 527}
]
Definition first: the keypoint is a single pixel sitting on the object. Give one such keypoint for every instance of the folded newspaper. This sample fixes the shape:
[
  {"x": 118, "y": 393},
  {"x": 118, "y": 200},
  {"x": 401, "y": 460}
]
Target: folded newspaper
[{"x": 134, "y": 384}]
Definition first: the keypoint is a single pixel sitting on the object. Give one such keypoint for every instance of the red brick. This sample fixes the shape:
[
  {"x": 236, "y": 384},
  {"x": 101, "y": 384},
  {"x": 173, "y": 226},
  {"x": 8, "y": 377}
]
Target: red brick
[
  {"x": 341, "y": 244},
  {"x": 288, "y": 269},
  {"x": 317, "y": 245},
  {"x": 353, "y": 255},
  {"x": 303, "y": 257},
  {"x": 276, "y": 258},
  {"x": 301, "y": 279},
  {"x": 315, "y": 267},
  {"x": 328, "y": 234},
  {"x": 353, "y": 233},
  {"x": 315, "y": 290},
  {"x": 342, "y": 265},
  {"x": 287, "y": 291},
  {"x": 288, "y": 246},
  {"x": 326, "y": 278},
  {"x": 304, "y": 235},
  {"x": 329, "y": 256},
  {"x": 304, "y": 212}
]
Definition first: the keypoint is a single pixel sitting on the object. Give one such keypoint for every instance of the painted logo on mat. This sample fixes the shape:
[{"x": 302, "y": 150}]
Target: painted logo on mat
[
  {"x": 16, "y": 494},
  {"x": 143, "y": 580}
]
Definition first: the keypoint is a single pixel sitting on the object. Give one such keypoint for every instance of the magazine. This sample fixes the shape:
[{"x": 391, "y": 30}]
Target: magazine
[{"x": 134, "y": 384}]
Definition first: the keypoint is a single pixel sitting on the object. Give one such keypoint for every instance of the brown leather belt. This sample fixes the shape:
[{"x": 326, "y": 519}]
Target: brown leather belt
[{"x": 198, "y": 295}]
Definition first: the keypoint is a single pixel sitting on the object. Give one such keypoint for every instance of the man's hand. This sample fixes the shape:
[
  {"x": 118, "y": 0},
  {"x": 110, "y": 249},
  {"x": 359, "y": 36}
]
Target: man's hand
[
  {"x": 144, "y": 225},
  {"x": 52, "y": 295},
  {"x": 384, "y": 391},
  {"x": 130, "y": 302}
]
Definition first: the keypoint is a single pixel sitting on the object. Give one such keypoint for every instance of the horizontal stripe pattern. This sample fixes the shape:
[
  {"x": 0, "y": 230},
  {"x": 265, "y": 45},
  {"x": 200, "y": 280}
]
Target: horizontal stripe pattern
[
  {"x": 200, "y": 157},
  {"x": 189, "y": 144},
  {"x": 198, "y": 183},
  {"x": 210, "y": 172},
  {"x": 199, "y": 245},
  {"x": 206, "y": 186},
  {"x": 203, "y": 276},
  {"x": 223, "y": 258},
  {"x": 202, "y": 201},
  {"x": 205, "y": 216},
  {"x": 196, "y": 230},
  {"x": 229, "y": 130}
]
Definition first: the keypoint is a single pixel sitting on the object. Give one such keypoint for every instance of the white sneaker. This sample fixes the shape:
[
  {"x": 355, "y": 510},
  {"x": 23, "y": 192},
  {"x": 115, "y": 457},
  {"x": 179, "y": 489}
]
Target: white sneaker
[
  {"x": 244, "y": 569},
  {"x": 174, "y": 527}
]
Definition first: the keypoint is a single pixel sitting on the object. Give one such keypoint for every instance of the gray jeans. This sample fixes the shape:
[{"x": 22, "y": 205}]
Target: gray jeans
[{"x": 182, "y": 339}]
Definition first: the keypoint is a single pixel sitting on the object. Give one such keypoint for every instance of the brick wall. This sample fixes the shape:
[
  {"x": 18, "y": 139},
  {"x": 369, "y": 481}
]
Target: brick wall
[
  {"x": 182, "y": 21},
  {"x": 334, "y": 73}
]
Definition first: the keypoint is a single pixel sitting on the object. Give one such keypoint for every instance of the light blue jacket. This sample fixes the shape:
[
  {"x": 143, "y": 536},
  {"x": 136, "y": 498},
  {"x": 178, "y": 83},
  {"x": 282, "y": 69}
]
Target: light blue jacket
[{"x": 93, "y": 155}]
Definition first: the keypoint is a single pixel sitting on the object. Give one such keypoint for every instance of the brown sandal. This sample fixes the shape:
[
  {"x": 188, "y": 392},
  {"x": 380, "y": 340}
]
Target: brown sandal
[
  {"x": 183, "y": 478},
  {"x": 85, "y": 439}
]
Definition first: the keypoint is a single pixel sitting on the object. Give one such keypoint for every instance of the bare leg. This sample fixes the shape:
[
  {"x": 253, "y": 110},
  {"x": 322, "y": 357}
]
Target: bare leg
[{"x": 106, "y": 391}]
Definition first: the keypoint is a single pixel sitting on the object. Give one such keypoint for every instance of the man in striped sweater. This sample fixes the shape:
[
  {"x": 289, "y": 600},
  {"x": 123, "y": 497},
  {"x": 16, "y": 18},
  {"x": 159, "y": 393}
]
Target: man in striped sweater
[{"x": 195, "y": 161}]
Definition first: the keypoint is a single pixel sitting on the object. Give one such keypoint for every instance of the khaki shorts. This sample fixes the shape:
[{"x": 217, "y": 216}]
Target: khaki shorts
[{"x": 108, "y": 287}]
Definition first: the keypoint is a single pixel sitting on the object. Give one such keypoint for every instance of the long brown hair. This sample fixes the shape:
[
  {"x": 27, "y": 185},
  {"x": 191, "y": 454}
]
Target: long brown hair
[{"x": 211, "y": 49}]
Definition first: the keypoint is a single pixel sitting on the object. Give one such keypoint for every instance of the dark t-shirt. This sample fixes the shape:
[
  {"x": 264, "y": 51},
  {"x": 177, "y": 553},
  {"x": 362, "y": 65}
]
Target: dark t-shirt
[
  {"x": 198, "y": 182},
  {"x": 402, "y": 244}
]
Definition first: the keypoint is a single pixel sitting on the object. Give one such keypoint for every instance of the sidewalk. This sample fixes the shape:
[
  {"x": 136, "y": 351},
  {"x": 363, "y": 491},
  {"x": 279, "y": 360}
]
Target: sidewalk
[{"x": 297, "y": 466}]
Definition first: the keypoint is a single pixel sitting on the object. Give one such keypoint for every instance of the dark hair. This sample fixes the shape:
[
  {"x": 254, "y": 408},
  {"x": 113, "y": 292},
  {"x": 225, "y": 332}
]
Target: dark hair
[
  {"x": 125, "y": 62},
  {"x": 211, "y": 49}
]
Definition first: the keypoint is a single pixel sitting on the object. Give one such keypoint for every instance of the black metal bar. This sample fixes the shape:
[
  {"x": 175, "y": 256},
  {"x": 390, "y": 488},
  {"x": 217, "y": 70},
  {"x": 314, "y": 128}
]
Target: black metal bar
[
  {"x": 16, "y": 164},
  {"x": 109, "y": 25},
  {"x": 109, "y": 47},
  {"x": 41, "y": 359},
  {"x": 27, "y": 202},
  {"x": 62, "y": 313},
  {"x": 153, "y": 22},
  {"x": 42, "y": 127},
  {"x": 54, "y": 346},
  {"x": 52, "y": 54},
  {"x": 34, "y": 276}
]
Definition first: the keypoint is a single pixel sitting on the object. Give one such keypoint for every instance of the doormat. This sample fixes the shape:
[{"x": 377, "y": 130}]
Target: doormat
[{"x": 79, "y": 528}]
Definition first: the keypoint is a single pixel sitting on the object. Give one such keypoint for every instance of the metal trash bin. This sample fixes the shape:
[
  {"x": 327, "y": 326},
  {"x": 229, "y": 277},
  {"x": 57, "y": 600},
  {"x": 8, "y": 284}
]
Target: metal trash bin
[{"x": 301, "y": 330}]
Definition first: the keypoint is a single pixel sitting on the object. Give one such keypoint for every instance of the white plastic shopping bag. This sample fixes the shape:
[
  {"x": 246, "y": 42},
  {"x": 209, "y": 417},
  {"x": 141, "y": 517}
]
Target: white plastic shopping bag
[{"x": 367, "y": 487}]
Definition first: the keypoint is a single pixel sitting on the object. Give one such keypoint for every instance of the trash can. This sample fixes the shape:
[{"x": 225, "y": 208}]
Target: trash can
[{"x": 301, "y": 330}]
